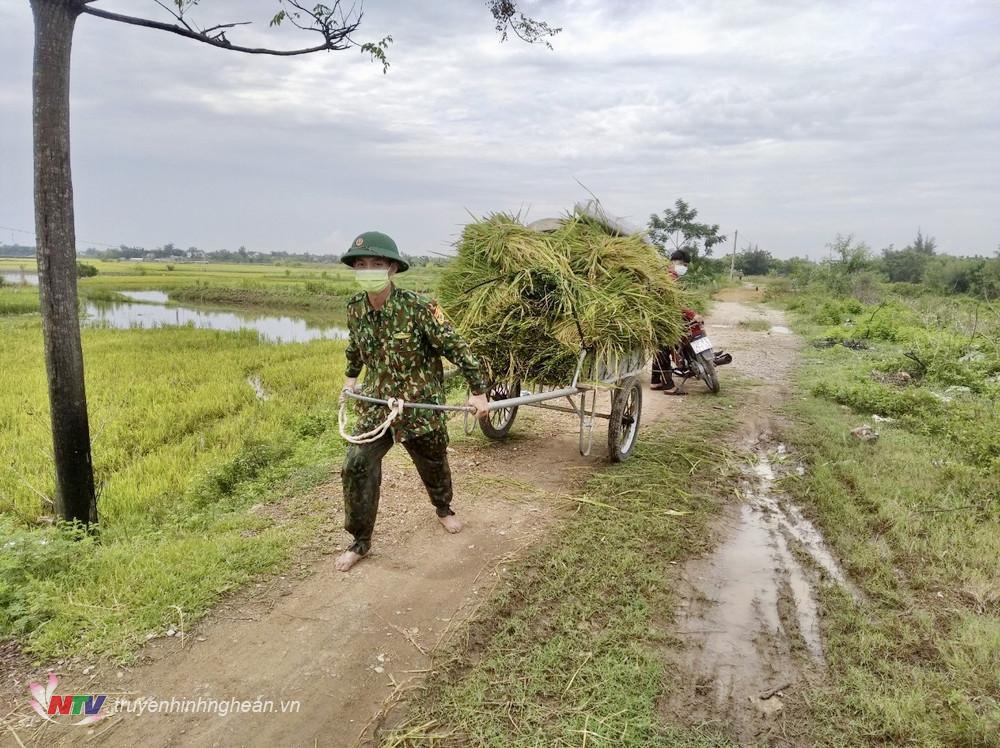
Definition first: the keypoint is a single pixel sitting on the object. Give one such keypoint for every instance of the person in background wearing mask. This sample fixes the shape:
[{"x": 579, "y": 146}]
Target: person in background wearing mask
[
  {"x": 662, "y": 375},
  {"x": 399, "y": 337},
  {"x": 679, "y": 261}
]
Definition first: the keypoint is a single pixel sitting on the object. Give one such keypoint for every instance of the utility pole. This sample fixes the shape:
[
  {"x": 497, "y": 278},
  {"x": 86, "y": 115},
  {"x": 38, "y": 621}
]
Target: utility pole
[{"x": 732, "y": 263}]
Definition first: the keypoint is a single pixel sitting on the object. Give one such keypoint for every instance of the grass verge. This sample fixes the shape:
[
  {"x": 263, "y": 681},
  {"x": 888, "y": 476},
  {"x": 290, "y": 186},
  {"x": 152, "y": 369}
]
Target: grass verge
[
  {"x": 919, "y": 532},
  {"x": 18, "y": 300},
  {"x": 568, "y": 649},
  {"x": 914, "y": 516}
]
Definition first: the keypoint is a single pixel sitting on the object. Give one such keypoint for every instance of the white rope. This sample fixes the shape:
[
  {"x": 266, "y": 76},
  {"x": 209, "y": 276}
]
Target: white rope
[{"x": 395, "y": 410}]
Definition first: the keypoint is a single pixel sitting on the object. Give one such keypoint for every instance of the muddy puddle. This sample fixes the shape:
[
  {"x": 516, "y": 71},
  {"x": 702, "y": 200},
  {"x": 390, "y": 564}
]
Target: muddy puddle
[{"x": 751, "y": 616}]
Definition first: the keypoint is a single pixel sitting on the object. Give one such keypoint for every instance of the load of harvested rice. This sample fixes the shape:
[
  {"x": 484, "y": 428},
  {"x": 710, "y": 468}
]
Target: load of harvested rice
[{"x": 526, "y": 301}]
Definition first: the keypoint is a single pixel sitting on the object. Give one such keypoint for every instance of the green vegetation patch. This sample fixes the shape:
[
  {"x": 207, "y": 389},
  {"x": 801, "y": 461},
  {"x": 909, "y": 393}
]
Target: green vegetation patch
[
  {"x": 196, "y": 474},
  {"x": 914, "y": 515},
  {"x": 932, "y": 363},
  {"x": 569, "y": 648},
  {"x": 918, "y": 530},
  {"x": 17, "y": 300}
]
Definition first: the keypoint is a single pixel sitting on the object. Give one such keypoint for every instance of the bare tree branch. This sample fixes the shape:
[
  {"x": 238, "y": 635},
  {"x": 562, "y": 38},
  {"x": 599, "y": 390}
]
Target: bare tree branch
[
  {"x": 179, "y": 16},
  {"x": 510, "y": 20},
  {"x": 330, "y": 21},
  {"x": 210, "y": 29},
  {"x": 336, "y": 34}
]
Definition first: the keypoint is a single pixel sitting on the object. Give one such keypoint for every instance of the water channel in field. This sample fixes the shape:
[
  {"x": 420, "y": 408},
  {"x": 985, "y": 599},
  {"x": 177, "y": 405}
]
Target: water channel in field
[{"x": 149, "y": 310}]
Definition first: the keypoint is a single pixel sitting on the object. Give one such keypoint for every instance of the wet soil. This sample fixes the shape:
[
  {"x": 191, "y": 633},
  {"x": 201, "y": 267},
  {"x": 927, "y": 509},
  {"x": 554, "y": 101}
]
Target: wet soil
[{"x": 748, "y": 623}]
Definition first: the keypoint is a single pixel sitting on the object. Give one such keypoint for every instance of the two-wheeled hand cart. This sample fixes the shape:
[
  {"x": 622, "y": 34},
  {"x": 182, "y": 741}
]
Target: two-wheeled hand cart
[{"x": 620, "y": 376}]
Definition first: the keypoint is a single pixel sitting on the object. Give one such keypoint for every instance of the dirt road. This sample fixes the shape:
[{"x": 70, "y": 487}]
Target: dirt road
[
  {"x": 343, "y": 646},
  {"x": 749, "y": 616}
]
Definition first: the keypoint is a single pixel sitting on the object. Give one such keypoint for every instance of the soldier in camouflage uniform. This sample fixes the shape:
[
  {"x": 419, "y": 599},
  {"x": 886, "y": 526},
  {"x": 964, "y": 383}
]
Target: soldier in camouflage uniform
[{"x": 398, "y": 336}]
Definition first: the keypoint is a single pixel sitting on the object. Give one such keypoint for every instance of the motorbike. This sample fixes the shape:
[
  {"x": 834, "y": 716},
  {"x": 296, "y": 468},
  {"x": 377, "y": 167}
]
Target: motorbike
[{"x": 698, "y": 358}]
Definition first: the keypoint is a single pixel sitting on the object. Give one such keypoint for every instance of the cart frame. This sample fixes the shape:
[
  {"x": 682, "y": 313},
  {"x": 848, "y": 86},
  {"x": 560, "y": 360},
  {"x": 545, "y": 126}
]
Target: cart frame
[{"x": 618, "y": 375}]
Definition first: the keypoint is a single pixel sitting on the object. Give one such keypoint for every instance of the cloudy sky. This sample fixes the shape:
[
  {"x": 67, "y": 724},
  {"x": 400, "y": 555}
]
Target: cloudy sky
[{"x": 789, "y": 121}]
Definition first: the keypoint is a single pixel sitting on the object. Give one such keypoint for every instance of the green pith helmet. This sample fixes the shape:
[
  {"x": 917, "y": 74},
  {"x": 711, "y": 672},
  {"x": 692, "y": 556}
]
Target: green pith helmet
[{"x": 374, "y": 244}]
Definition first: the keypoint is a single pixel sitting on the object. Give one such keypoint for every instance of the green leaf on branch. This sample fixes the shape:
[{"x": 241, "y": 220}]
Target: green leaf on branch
[{"x": 378, "y": 51}]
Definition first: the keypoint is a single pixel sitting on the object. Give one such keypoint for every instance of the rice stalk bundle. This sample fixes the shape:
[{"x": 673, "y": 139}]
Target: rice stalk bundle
[{"x": 526, "y": 301}]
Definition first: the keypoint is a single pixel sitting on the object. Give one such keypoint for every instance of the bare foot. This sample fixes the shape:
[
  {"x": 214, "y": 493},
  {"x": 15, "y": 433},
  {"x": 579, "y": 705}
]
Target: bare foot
[
  {"x": 451, "y": 523},
  {"x": 347, "y": 559}
]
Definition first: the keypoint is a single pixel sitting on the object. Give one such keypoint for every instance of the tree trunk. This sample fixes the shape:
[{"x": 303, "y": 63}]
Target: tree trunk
[{"x": 56, "y": 249}]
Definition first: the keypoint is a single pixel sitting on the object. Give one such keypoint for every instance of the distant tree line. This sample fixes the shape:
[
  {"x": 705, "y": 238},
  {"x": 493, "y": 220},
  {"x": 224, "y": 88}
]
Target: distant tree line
[
  {"x": 173, "y": 253},
  {"x": 850, "y": 262},
  {"x": 16, "y": 250}
]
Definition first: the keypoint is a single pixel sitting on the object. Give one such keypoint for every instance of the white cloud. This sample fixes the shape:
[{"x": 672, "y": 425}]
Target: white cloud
[{"x": 788, "y": 120}]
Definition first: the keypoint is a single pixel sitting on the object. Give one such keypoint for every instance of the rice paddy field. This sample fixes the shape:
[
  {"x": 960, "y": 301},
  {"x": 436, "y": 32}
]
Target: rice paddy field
[
  {"x": 296, "y": 285},
  {"x": 205, "y": 441},
  {"x": 198, "y": 435}
]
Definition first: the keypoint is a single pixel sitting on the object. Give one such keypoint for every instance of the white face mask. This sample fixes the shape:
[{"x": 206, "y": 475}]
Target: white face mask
[{"x": 680, "y": 269}]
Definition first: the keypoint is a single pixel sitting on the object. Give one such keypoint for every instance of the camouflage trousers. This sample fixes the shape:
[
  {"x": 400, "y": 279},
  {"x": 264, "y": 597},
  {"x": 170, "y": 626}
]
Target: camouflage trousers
[{"x": 362, "y": 479}]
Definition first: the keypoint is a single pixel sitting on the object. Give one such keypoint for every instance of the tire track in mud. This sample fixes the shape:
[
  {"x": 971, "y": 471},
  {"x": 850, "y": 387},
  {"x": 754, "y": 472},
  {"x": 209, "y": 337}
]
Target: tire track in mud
[{"x": 749, "y": 618}]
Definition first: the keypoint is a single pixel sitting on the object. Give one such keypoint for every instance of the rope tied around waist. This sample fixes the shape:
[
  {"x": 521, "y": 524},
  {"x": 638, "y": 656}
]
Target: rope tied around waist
[{"x": 396, "y": 406}]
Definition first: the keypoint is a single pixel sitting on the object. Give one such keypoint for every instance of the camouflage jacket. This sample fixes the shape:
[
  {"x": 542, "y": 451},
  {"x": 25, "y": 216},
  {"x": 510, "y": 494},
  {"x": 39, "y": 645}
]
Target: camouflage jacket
[{"x": 400, "y": 346}]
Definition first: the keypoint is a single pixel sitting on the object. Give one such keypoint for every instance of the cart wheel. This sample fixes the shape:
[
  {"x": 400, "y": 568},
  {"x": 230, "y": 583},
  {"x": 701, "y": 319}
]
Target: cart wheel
[
  {"x": 498, "y": 422},
  {"x": 623, "y": 426}
]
